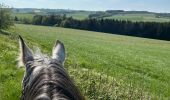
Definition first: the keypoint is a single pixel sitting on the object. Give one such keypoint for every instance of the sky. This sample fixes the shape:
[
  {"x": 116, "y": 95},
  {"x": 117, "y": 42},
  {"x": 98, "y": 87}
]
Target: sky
[{"x": 93, "y": 5}]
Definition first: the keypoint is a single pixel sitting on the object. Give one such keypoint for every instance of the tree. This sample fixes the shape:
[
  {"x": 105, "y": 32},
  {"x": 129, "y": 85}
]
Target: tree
[
  {"x": 37, "y": 20},
  {"x": 26, "y": 21},
  {"x": 5, "y": 17},
  {"x": 16, "y": 18}
]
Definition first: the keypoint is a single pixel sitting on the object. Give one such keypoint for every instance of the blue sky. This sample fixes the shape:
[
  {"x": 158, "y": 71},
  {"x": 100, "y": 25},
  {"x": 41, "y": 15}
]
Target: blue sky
[{"x": 147, "y": 5}]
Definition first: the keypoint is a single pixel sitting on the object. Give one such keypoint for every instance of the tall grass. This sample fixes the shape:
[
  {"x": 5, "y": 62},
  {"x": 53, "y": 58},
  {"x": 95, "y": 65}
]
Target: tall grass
[{"x": 100, "y": 86}]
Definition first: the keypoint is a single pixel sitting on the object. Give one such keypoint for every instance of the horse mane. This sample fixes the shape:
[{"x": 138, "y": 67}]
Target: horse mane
[{"x": 51, "y": 83}]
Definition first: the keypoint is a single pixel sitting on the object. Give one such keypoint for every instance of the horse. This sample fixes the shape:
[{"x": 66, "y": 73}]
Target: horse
[{"x": 45, "y": 77}]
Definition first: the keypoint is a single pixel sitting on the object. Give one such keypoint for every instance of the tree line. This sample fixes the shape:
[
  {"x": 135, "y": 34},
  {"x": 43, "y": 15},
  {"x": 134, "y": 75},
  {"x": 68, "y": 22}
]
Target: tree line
[
  {"x": 155, "y": 30},
  {"x": 5, "y": 17}
]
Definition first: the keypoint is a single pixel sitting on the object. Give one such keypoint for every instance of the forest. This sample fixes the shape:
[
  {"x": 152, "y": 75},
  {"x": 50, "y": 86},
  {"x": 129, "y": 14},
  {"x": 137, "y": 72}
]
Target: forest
[{"x": 154, "y": 30}]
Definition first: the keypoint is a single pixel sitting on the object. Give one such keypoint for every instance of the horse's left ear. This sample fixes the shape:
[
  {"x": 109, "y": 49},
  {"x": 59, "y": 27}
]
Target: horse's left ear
[
  {"x": 58, "y": 52},
  {"x": 25, "y": 53}
]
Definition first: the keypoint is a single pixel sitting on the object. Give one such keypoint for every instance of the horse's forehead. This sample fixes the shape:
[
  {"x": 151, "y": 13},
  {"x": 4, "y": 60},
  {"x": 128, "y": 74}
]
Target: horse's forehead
[
  {"x": 42, "y": 61},
  {"x": 36, "y": 71},
  {"x": 37, "y": 66}
]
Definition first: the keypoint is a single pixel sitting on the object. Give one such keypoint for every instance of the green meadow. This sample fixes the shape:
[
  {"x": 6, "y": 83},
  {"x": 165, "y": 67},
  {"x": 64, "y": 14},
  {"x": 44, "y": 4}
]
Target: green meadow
[
  {"x": 23, "y": 15},
  {"x": 139, "y": 17},
  {"x": 104, "y": 66},
  {"x": 75, "y": 15},
  {"x": 79, "y": 15},
  {"x": 83, "y": 15}
]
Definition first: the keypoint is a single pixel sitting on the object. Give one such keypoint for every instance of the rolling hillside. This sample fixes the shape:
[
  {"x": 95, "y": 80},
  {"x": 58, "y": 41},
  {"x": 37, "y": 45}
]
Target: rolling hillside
[
  {"x": 139, "y": 17},
  {"x": 109, "y": 14},
  {"x": 104, "y": 66}
]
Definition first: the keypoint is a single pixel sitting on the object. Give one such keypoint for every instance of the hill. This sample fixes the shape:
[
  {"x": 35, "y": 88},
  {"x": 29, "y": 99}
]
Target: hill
[
  {"x": 109, "y": 14},
  {"x": 139, "y": 17},
  {"x": 30, "y": 12},
  {"x": 104, "y": 65}
]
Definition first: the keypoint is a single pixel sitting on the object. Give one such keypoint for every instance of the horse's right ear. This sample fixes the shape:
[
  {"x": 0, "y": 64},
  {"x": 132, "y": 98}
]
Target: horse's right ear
[
  {"x": 58, "y": 52},
  {"x": 25, "y": 53}
]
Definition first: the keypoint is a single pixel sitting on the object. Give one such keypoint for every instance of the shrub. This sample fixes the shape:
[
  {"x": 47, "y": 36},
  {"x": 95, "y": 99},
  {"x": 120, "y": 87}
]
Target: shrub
[{"x": 5, "y": 17}]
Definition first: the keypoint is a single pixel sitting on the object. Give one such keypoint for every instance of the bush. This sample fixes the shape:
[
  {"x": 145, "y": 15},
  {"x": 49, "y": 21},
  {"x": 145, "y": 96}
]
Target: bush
[{"x": 5, "y": 17}]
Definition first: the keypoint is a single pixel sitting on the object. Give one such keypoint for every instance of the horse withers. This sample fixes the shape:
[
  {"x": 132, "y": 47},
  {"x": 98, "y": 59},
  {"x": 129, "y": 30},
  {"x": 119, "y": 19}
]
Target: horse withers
[{"x": 45, "y": 77}]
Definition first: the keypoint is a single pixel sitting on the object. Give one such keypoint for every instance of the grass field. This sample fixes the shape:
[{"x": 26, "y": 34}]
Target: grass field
[
  {"x": 79, "y": 15},
  {"x": 23, "y": 15},
  {"x": 75, "y": 15},
  {"x": 139, "y": 17},
  {"x": 104, "y": 66},
  {"x": 84, "y": 15}
]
